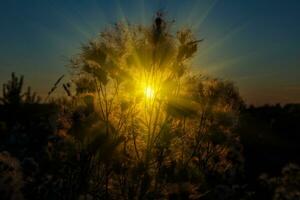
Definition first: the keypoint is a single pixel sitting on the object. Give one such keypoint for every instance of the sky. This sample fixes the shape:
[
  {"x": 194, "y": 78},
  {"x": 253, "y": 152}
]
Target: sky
[{"x": 254, "y": 43}]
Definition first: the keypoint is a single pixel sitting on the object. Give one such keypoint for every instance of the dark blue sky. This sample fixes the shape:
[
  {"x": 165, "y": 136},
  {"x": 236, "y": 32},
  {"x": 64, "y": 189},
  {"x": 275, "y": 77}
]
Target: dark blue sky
[{"x": 254, "y": 43}]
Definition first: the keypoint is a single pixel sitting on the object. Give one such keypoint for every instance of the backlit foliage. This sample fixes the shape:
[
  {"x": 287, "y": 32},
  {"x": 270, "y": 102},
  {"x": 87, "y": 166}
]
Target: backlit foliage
[{"x": 144, "y": 121}]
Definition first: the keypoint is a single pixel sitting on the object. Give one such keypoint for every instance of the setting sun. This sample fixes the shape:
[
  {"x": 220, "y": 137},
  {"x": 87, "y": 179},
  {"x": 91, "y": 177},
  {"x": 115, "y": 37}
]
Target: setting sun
[{"x": 149, "y": 92}]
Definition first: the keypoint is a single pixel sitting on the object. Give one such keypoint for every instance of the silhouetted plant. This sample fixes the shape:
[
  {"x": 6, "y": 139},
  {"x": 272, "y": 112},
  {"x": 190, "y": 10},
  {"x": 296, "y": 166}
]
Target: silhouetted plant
[
  {"x": 30, "y": 97},
  {"x": 12, "y": 92}
]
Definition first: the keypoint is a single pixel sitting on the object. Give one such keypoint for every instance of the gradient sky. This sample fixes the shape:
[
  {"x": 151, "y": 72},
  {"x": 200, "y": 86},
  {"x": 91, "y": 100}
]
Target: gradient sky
[{"x": 254, "y": 43}]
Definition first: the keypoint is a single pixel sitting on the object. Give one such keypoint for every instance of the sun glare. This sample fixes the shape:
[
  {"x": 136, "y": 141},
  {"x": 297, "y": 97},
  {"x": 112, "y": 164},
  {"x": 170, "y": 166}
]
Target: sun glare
[{"x": 149, "y": 92}]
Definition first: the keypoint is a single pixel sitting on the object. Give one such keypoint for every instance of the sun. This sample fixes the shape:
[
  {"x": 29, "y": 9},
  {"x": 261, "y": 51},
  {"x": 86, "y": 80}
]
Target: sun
[{"x": 149, "y": 92}]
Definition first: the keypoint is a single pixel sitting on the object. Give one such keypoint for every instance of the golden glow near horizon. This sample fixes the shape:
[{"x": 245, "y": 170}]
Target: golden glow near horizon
[{"x": 149, "y": 92}]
